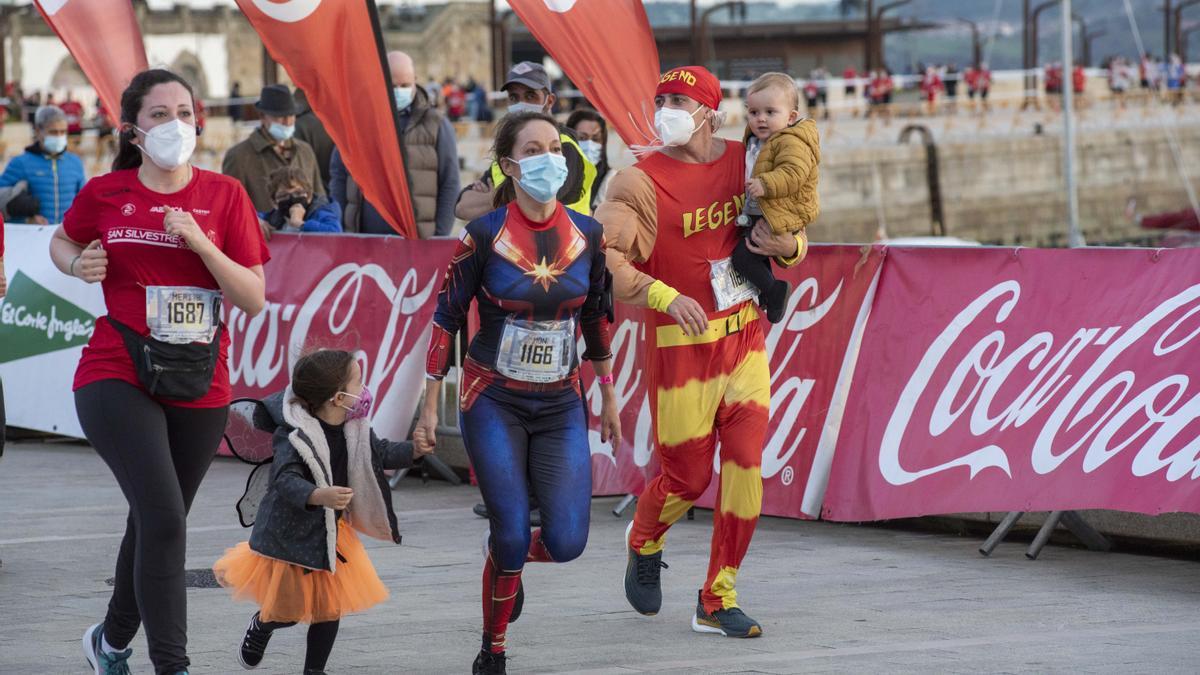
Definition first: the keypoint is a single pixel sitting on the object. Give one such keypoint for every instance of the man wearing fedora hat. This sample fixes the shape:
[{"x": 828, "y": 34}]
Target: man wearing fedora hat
[{"x": 272, "y": 147}]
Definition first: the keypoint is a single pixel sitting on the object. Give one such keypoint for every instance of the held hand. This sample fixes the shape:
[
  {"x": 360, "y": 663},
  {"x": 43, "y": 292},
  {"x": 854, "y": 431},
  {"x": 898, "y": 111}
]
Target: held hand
[
  {"x": 421, "y": 444},
  {"x": 480, "y": 186},
  {"x": 266, "y": 228},
  {"x": 92, "y": 263},
  {"x": 610, "y": 423},
  {"x": 425, "y": 435},
  {"x": 754, "y": 188},
  {"x": 3, "y": 279},
  {"x": 689, "y": 315},
  {"x": 765, "y": 241},
  {"x": 296, "y": 215},
  {"x": 38, "y": 220},
  {"x": 334, "y": 497},
  {"x": 181, "y": 223}
]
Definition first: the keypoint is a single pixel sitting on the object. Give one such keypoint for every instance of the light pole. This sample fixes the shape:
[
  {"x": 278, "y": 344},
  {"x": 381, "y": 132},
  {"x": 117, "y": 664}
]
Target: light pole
[
  {"x": 1074, "y": 235},
  {"x": 1166, "y": 10},
  {"x": 1183, "y": 37},
  {"x": 877, "y": 45},
  {"x": 976, "y": 46},
  {"x": 1033, "y": 32},
  {"x": 1177, "y": 19},
  {"x": 737, "y": 8},
  {"x": 1087, "y": 45}
]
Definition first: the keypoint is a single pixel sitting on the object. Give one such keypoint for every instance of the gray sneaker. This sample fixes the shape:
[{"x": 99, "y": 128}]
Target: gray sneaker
[
  {"x": 643, "y": 587},
  {"x": 731, "y": 622},
  {"x": 101, "y": 661}
]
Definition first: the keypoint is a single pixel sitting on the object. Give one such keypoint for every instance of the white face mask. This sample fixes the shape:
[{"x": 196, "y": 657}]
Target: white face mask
[
  {"x": 674, "y": 126},
  {"x": 169, "y": 145},
  {"x": 514, "y": 108},
  {"x": 404, "y": 96},
  {"x": 591, "y": 150}
]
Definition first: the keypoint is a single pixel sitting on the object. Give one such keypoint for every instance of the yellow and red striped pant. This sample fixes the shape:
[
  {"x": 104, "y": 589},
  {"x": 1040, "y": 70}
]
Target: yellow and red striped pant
[{"x": 715, "y": 387}]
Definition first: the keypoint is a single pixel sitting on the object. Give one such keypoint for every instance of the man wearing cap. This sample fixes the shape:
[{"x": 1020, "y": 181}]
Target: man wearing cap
[
  {"x": 272, "y": 147},
  {"x": 528, "y": 89},
  {"x": 670, "y": 223}
]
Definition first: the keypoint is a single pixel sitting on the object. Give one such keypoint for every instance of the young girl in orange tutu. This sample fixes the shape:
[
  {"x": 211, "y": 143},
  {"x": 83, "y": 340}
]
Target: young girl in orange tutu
[{"x": 304, "y": 563}]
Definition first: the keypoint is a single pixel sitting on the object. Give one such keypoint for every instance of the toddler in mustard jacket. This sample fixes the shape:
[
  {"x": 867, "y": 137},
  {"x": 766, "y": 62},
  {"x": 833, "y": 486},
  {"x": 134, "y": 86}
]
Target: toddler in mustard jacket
[{"x": 782, "y": 154}]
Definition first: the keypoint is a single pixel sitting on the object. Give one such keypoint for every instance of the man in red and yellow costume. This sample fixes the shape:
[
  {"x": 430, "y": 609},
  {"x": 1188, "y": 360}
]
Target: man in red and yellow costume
[{"x": 671, "y": 225}]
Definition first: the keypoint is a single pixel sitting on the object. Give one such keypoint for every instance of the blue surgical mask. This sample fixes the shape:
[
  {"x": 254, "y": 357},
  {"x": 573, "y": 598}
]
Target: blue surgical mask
[
  {"x": 404, "y": 96},
  {"x": 514, "y": 108},
  {"x": 591, "y": 150},
  {"x": 54, "y": 144},
  {"x": 280, "y": 132},
  {"x": 542, "y": 176}
]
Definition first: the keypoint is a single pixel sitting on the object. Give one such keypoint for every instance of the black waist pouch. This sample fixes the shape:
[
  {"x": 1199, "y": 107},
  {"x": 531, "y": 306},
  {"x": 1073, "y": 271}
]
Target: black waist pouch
[{"x": 172, "y": 371}]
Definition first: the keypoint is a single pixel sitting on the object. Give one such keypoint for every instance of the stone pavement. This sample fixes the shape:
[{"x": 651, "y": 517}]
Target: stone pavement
[{"x": 831, "y": 598}]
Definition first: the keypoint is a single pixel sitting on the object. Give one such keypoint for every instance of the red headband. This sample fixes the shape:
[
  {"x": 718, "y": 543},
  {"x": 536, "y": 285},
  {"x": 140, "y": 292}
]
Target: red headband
[{"x": 695, "y": 82}]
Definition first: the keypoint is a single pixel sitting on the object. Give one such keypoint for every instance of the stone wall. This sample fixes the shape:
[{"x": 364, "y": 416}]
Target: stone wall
[{"x": 1004, "y": 190}]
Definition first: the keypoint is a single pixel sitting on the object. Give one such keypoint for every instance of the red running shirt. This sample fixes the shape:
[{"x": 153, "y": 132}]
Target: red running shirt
[{"x": 127, "y": 217}]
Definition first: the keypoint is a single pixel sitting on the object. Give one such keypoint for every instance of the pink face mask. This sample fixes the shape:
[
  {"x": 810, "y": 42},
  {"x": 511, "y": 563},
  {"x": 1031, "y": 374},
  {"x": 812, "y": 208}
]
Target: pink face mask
[{"x": 362, "y": 404}]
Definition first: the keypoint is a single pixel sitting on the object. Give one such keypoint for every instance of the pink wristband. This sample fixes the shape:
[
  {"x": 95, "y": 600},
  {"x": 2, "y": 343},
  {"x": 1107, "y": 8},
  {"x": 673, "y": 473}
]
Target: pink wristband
[{"x": 605, "y": 379}]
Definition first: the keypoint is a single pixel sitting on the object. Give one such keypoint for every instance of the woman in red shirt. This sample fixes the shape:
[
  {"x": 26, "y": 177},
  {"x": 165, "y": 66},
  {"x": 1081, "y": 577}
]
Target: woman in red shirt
[{"x": 167, "y": 242}]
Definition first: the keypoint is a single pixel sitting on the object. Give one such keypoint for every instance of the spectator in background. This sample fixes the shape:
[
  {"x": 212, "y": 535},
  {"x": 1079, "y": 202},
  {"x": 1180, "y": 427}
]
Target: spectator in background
[
  {"x": 434, "y": 91},
  {"x": 53, "y": 174},
  {"x": 1054, "y": 84},
  {"x": 592, "y": 131},
  {"x": 951, "y": 82},
  {"x": 235, "y": 106},
  {"x": 983, "y": 84},
  {"x": 431, "y": 161},
  {"x": 270, "y": 147},
  {"x": 811, "y": 92},
  {"x": 106, "y": 140},
  {"x": 1078, "y": 83},
  {"x": 310, "y": 130},
  {"x": 1176, "y": 77},
  {"x": 1119, "y": 80},
  {"x": 456, "y": 100},
  {"x": 931, "y": 87},
  {"x": 483, "y": 107},
  {"x": 1145, "y": 65},
  {"x": 297, "y": 208},
  {"x": 528, "y": 89},
  {"x": 850, "y": 87},
  {"x": 74, "y": 111}
]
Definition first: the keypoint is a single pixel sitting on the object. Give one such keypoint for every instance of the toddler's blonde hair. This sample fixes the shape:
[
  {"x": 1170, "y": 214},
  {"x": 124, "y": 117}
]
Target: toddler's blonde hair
[{"x": 781, "y": 81}]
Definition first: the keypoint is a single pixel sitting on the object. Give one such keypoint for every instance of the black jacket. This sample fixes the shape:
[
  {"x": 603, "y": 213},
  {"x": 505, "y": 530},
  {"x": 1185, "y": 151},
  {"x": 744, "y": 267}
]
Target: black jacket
[{"x": 286, "y": 527}]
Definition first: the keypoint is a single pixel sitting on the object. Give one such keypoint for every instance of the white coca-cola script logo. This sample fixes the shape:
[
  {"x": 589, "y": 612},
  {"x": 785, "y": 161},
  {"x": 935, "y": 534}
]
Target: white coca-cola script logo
[
  {"x": 267, "y": 345},
  {"x": 1105, "y": 409},
  {"x": 789, "y": 393}
]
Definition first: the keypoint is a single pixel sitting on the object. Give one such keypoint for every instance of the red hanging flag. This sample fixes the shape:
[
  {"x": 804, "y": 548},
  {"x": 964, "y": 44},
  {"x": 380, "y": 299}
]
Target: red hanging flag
[
  {"x": 109, "y": 62},
  {"x": 607, "y": 49},
  {"x": 333, "y": 50}
]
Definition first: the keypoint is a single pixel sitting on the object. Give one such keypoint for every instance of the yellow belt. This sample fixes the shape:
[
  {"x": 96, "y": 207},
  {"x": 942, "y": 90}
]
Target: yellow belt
[{"x": 672, "y": 335}]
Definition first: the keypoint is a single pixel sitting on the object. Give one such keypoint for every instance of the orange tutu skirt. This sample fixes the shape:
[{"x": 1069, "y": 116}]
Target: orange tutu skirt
[{"x": 287, "y": 592}]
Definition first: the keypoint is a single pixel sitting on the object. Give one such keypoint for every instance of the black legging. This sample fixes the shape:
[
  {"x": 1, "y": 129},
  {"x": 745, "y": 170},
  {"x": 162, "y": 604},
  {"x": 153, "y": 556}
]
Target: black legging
[
  {"x": 321, "y": 637},
  {"x": 158, "y": 454}
]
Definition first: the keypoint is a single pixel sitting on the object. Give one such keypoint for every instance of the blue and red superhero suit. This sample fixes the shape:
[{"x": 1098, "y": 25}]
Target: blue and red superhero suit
[{"x": 523, "y": 435}]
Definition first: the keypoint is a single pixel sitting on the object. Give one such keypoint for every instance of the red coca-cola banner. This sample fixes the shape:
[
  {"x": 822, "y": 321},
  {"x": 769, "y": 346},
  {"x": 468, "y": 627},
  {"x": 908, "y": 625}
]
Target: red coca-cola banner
[
  {"x": 372, "y": 295},
  {"x": 812, "y": 355},
  {"x": 1031, "y": 380}
]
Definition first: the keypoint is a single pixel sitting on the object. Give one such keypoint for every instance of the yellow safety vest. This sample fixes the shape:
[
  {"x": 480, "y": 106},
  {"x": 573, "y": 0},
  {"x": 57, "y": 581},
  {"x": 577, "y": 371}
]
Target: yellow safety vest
[{"x": 584, "y": 205}]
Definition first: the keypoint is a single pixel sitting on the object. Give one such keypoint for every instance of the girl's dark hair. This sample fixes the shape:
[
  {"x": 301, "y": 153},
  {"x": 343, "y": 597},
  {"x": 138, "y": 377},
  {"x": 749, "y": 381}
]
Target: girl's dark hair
[
  {"x": 589, "y": 115},
  {"x": 506, "y": 140},
  {"x": 128, "y": 155},
  {"x": 319, "y": 375}
]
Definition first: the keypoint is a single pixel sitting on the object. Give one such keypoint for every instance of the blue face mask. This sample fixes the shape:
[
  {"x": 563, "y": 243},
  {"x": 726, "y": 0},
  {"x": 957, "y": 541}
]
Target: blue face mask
[
  {"x": 54, "y": 144},
  {"x": 542, "y": 176},
  {"x": 404, "y": 96},
  {"x": 280, "y": 132}
]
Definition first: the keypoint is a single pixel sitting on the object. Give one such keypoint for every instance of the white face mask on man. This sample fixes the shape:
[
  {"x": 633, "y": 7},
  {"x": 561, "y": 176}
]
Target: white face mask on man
[
  {"x": 169, "y": 145},
  {"x": 514, "y": 108},
  {"x": 675, "y": 126}
]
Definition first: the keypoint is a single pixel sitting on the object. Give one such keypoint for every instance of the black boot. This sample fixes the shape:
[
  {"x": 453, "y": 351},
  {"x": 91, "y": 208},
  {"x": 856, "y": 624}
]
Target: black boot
[
  {"x": 775, "y": 300},
  {"x": 488, "y": 663}
]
